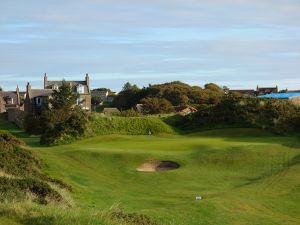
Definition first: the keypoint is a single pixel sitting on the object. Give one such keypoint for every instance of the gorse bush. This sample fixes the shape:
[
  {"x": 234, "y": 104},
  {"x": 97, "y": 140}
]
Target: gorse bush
[
  {"x": 16, "y": 189},
  {"x": 21, "y": 174},
  {"x": 276, "y": 115}
]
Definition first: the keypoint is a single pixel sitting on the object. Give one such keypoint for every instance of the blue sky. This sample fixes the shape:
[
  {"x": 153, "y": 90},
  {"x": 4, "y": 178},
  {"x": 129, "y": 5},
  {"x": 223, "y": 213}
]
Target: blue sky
[{"x": 238, "y": 43}]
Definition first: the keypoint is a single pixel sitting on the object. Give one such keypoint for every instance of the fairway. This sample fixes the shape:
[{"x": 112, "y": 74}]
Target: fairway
[{"x": 245, "y": 176}]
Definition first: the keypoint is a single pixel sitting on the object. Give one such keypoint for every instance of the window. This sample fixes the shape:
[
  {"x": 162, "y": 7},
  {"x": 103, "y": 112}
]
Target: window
[
  {"x": 38, "y": 101},
  {"x": 55, "y": 87},
  {"x": 80, "y": 89},
  {"x": 9, "y": 100}
]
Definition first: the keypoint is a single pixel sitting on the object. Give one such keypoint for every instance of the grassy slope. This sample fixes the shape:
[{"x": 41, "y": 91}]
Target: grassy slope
[{"x": 246, "y": 177}]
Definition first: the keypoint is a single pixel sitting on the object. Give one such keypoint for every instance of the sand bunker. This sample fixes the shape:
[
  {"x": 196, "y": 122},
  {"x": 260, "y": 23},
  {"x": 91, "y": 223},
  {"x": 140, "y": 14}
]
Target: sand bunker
[{"x": 157, "y": 165}]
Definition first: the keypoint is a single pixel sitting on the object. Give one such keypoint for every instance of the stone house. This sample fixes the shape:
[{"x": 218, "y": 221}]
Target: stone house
[
  {"x": 101, "y": 94},
  {"x": 254, "y": 93},
  {"x": 266, "y": 90},
  {"x": 81, "y": 87},
  {"x": 10, "y": 100},
  {"x": 36, "y": 99}
]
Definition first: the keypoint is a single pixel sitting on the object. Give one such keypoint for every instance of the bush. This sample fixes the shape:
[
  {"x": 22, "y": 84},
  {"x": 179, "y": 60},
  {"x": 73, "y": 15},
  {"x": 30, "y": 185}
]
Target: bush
[
  {"x": 275, "y": 115},
  {"x": 22, "y": 173},
  {"x": 15, "y": 189},
  {"x": 130, "y": 113},
  {"x": 64, "y": 127}
]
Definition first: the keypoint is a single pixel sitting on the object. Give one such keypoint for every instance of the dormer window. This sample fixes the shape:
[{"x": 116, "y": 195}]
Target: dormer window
[
  {"x": 9, "y": 100},
  {"x": 80, "y": 89},
  {"x": 55, "y": 87}
]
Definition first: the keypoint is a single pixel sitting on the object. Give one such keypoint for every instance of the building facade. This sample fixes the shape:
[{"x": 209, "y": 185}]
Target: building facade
[
  {"x": 10, "y": 100},
  {"x": 81, "y": 87}
]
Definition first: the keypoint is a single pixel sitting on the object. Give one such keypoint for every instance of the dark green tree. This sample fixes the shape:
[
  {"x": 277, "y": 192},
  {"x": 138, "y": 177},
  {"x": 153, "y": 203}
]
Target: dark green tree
[
  {"x": 64, "y": 97},
  {"x": 129, "y": 86},
  {"x": 96, "y": 100}
]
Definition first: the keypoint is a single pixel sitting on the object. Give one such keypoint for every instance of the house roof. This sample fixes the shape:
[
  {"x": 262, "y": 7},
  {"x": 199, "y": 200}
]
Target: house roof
[
  {"x": 288, "y": 95},
  {"x": 40, "y": 92},
  {"x": 9, "y": 94},
  {"x": 49, "y": 84}
]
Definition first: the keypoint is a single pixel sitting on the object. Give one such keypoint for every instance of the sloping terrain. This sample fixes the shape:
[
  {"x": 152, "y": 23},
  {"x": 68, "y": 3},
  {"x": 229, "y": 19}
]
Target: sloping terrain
[
  {"x": 250, "y": 179},
  {"x": 244, "y": 175}
]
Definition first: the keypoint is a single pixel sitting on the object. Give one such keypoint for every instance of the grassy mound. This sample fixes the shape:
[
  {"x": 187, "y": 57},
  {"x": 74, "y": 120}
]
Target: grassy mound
[
  {"x": 127, "y": 125},
  {"x": 20, "y": 173}
]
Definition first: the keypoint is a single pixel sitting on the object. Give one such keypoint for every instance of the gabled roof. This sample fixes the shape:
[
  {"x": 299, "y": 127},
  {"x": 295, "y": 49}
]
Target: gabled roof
[
  {"x": 9, "y": 94},
  {"x": 40, "y": 92},
  {"x": 49, "y": 84}
]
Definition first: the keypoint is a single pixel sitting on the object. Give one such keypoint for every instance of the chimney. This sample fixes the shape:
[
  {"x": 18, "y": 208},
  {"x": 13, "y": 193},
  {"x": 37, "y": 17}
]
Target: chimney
[
  {"x": 28, "y": 89},
  {"x": 87, "y": 80},
  {"x": 45, "y": 80},
  {"x": 18, "y": 95}
]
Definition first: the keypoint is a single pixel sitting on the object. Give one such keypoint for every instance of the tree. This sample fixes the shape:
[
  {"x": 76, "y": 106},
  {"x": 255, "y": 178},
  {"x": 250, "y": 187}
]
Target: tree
[
  {"x": 103, "y": 89},
  {"x": 64, "y": 97},
  {"x": 128, "y": 97},
  {"x": 156, "y": 105},
  {"x": 213, "y": 87},
  {"x": 1, "y": 89},
  {"x": 96, "y": 100},
  {"x": 128, "y": 86},
  {"x": 64, "y": 121}
]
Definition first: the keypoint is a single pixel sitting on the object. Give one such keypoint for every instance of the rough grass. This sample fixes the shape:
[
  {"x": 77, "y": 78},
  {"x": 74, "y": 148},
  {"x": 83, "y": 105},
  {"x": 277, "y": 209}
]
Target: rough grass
[
  {"x": 20, "y": 174},
  {"x": 100, "y": 125}
]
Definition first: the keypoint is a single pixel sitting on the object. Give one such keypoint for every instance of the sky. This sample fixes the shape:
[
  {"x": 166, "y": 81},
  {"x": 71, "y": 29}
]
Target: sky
[{"x": 237, "y": 43}]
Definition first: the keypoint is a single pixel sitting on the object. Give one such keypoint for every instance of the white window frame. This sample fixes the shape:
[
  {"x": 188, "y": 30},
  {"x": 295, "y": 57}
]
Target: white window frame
[
  {"x": 38, "y": 101},
  {"x": 80, "y": 89},
  {"x": 9, "y": 101},
  {"x": 55, "y": 87}
]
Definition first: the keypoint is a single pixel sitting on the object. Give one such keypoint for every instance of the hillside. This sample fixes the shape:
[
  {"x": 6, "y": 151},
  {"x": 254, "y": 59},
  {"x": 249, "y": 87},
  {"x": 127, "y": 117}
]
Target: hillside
[
  {"x": 245, "y": 176},
  {"x": 100, "y": 125},
  {"x": 21, "y": 177}
]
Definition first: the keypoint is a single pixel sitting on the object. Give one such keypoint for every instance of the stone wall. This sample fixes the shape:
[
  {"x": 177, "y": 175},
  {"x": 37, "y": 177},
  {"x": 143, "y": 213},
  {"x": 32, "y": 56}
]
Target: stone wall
[{"x": 16, "y": 116}]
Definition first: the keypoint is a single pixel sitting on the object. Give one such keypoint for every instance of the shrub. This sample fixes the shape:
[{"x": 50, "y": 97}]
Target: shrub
[
  {"x": 15, "y": 189},
  {"x": 22, "y": 173},
  {"x": 130, "y": 113},
  {"x": 61, "y": 128},
  {"x": 272, "y": 114}
]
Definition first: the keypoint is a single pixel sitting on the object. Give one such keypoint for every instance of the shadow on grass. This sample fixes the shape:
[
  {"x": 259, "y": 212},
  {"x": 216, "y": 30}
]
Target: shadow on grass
[{"x": 6, "y": 126}]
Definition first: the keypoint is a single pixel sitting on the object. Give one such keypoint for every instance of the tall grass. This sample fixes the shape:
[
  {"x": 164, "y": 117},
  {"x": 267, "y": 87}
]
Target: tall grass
[{"x": 127, "y": 125}]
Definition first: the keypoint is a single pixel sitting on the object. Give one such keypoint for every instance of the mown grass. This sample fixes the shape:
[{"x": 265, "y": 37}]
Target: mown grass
[{"x": 246, "y": 176}]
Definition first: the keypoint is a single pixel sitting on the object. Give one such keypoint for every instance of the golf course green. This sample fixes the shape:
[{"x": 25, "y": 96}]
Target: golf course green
[{"x": 245, "y": 176}]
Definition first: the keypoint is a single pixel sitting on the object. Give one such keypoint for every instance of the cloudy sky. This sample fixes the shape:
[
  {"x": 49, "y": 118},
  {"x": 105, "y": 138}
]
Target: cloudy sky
[{"x": 238, "y": 43}]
